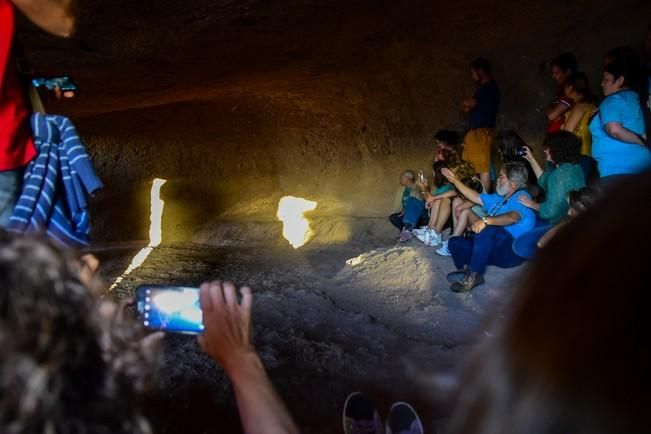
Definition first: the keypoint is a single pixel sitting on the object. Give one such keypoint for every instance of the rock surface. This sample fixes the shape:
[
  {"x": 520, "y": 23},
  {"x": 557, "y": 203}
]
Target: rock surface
[
  {"x": 328, "y": 321},
  {"x": 238, "y": 103}
]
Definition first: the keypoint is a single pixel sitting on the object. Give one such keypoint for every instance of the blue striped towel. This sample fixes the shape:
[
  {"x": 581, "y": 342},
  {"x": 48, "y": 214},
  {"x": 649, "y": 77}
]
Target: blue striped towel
[{"x": 56, "y": 184}]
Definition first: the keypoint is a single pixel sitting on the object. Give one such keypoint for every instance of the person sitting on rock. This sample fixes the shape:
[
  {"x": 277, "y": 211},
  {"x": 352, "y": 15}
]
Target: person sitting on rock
[
  {"x": 462, "y": 209},
  {"x": 407, "y": 180},
  {"x": 561, "y": 175},
  {"x": 506, "y": 219},
  {"x": 438, "y": 203},
  {"x": 440, "y": 211},
  {"x": 527, "y": 379}
]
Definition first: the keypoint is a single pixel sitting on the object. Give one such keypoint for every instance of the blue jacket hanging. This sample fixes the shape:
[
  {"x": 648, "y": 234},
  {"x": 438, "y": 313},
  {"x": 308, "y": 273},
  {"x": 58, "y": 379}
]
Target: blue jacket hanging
[{"x": 56, "y": 184}]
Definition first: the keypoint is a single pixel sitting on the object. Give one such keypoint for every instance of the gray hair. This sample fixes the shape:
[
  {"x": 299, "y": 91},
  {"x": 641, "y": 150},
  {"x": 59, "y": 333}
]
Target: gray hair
[
  {"x": 517, "y": 173},
  {"x": 409, "y": 174}
]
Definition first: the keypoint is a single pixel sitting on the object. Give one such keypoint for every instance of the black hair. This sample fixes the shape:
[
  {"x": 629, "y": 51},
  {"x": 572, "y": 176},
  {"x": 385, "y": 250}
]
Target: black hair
[
  {"x": 481, "y": 64},
  {"x": 583, "y": 199},
  {"x": 439, "y": 179},
  {"x": 447, "y": 136},
  {"x": 508, "y": 143},
  {"x": 564, "y": 147},
  {"x": 565, "y": 62},
  {"x": 581, "y": 85},
  {"x": 628, "y": 69}
]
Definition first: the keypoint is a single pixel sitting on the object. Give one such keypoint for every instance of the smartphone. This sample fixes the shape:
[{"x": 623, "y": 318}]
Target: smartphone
[
  {"x": 174, "y": 309},
  {"x": 65, "y": 83}
]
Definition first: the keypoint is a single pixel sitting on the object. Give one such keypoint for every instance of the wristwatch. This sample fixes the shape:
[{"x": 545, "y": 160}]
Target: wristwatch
[{"x": 485, "y": 220}]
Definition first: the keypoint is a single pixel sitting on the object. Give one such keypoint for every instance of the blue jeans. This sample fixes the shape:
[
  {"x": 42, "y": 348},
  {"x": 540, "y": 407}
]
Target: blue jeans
[
  {"x": 414, "y": 210},
  {"x": 526, "y": 245},
  {"x": 396, "y": 220},
  {"x": 492, "y": 246},
  {"x": 10, "y": 185}
]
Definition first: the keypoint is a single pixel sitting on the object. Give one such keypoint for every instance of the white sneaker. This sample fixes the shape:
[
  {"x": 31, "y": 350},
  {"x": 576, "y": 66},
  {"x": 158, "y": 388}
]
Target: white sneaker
[
  {"x": 444, "y": 251},
  {"x": 420, "y": 231},
  {"x": 429, "y": 237}
]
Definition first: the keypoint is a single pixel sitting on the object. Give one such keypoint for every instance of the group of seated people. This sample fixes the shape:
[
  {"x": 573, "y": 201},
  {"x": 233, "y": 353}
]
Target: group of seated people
[
  {"x": 72, "y": 362},
  {"x": 587, "y": 149}
]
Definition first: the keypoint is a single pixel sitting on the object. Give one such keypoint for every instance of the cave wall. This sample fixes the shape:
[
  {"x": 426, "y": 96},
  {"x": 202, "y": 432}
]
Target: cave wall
[{"x": 240, "y": 103}]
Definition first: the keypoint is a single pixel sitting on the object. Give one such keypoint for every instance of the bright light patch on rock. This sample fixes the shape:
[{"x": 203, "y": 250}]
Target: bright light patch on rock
[
  {"x": 155, "y": 231},
  {"x": 296, "y": 227}
]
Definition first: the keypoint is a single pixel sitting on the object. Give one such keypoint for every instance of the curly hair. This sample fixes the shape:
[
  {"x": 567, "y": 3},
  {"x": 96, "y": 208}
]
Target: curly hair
[
  {"x": 64, "y": 367},
  {"x": 564, "y": 147}
]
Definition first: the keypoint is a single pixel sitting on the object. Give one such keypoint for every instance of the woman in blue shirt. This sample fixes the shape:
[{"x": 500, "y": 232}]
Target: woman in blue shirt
[{"x": 618, "y": 132}]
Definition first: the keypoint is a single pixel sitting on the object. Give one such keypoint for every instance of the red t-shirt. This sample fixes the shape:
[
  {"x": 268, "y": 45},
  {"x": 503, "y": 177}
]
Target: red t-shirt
[
  {"x": 555, "y": 125},
  {"x": 16, "y": 146}
]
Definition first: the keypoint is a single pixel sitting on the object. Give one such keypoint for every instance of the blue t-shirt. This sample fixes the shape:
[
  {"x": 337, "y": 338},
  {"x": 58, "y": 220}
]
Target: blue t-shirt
[
  {"x": 613, "y": 156},
  {"x": 496, "y": 205},
  {"x": 405, "y": 196},
  {"x": 484, "y": 115}
]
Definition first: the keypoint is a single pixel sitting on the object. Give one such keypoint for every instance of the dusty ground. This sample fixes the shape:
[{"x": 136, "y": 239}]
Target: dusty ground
[{"x": 324, "y": 328}]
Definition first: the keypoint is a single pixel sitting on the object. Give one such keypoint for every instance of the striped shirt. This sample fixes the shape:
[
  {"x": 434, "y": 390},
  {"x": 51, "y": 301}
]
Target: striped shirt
[{"x": 56, "y": 184}]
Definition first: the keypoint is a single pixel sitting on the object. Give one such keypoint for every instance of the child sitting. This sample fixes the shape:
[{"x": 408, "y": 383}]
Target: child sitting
[{"x": 407, "y": 179}]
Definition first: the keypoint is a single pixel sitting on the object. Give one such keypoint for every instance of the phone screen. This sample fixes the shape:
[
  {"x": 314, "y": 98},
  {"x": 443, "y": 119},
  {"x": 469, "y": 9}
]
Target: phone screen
[
  {"x": 170, "y": 308},
  {"x": 64, "y": 83}
]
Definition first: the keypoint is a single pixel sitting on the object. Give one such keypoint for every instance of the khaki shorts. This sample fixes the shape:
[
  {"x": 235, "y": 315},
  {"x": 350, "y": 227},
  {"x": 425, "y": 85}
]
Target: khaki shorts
[{"x": 477, "y": 146}]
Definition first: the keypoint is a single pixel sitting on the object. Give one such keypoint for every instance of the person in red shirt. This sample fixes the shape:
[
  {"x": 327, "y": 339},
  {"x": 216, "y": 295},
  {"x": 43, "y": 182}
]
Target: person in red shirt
[
  {"x": 562, "y": 67},
  {"x": 57, "y": 17}
]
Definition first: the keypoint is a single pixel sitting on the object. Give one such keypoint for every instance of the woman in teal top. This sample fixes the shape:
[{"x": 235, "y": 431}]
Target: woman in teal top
[
  {"x": 560, "y": 176},
  {"x": 618, "y": 132}
]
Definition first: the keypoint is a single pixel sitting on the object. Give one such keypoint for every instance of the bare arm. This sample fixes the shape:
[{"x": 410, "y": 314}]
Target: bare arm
[
  {"x": 448, "y": 194},
  {"x": 573, "y": 120},
  {"x": 469, "y": 104},
  {"x": 462, "y": 189},
  {"x": 545, "y": 239},
  {"x": 58, "y": 17},
  {"x": 227, "y": 339},
  {"x": 617, "y": 131},
  {"x": 261, "y": 409},
  {"x": 504, "y": 219},
  {"x": 557, "y": 110},
  {"x": 500, "y": 220},
  {"x": 537, "y": 169}
]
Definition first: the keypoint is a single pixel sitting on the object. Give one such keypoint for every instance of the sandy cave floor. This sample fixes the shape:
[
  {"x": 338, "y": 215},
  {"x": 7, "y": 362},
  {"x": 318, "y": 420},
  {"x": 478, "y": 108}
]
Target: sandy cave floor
[{"x": 323, "y": 327}]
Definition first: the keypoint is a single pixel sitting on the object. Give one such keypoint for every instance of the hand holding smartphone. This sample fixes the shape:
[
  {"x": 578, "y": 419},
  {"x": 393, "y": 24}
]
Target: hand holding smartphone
[{"x": 175, "y": 309}]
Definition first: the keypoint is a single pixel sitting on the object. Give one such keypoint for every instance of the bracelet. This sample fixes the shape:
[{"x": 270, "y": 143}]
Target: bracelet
[{"x": 485, "y": 220}]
